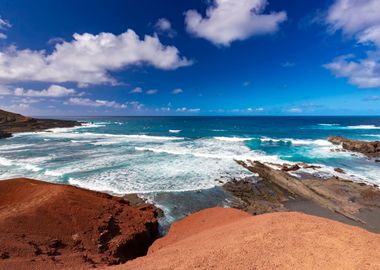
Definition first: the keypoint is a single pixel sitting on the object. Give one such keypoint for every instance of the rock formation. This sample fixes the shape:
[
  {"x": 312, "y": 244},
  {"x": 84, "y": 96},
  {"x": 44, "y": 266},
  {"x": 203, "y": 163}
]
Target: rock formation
[
  {"x": 357, "y": 202},
  {"x": 370, "y": 149},
  {"x": 50, "y": 226},
  {"x": 13, "y": 123}
]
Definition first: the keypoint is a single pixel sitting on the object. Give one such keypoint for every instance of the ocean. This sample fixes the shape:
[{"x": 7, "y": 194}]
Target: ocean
[{"x": 179, "y": 162}]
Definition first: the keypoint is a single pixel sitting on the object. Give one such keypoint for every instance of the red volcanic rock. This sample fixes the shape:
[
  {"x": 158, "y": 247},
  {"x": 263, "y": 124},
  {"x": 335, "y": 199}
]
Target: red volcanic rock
[
  {"x": 49, "y": 226},
  {"x": 231, "y": 239}
]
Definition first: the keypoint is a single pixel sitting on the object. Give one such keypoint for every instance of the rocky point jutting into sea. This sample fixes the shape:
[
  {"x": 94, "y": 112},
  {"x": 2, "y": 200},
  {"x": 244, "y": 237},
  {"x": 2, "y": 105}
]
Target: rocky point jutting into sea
[{"x": 14, "y": 123}]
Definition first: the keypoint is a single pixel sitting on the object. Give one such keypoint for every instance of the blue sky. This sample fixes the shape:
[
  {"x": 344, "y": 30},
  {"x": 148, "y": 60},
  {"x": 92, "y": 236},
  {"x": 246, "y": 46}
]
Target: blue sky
[{"x": 167, "y": 57}]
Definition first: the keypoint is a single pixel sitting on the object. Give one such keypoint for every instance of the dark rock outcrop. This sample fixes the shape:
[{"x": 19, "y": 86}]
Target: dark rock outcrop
[
  {"x": 49, "y": 226},
  {"x": 370, "y": 149},
  {"x": 14, "y": 123},
  {"x": 275, "y": 188},
  {"x": 4, "y": 135}
]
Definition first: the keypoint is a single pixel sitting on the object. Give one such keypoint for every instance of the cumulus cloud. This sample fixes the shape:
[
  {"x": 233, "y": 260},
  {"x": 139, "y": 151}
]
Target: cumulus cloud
[
  {"x": 359, "y": 19},
  {"x": 88, "y": 58},
  {"x": 3, "y": 36},
  {"x": 152, "y": 92},
  {"x": 230, "y": 20},
  {"x": 164, "y": 26},
  {"x": 52, "y": 91},
  {"x": 96, "y": 103},
  {"x": 177, "y": 91}
]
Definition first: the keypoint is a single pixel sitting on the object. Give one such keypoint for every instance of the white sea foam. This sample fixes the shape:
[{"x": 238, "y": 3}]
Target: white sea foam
[
  {"x": 118, "y": 137},
  {"x": 232, "y": 139},
  {"x": 8, "y": 147},
  {"x": 328, "y": 125},
  {"x": 175, "y": 130},
  {"x": 299, "y": 142},
  {"x": 372, "y": 135},
  {"x": 53, "y": 173},
  {"x": 5, "y": 162},
  {"x": 24, "y": 164},
  {"x": 363, "y": 127},
  {"x": 211, "y": 148}
]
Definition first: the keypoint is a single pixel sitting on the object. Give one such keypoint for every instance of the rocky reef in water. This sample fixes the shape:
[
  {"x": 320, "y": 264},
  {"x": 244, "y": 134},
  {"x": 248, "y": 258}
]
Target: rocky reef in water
[
  {"x": 51, "y": 226},
  {"x": 370, "y": 149},
  {"x": 14, "y": 123}
]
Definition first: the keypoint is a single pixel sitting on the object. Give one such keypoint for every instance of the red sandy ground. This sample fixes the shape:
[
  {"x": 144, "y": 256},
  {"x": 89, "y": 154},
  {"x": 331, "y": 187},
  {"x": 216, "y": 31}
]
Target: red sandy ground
[
  {"x": 230, "y": 239},
  {"x": 47, "y": 226}
]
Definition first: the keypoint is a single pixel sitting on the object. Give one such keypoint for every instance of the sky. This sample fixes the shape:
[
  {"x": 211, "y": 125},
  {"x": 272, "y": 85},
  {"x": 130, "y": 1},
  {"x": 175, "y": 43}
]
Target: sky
[{"x": 194, "y": 57}]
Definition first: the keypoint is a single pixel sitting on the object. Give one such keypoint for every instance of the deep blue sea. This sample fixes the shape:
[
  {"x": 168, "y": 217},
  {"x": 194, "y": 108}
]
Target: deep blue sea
[{"x": 155, "y": 156}]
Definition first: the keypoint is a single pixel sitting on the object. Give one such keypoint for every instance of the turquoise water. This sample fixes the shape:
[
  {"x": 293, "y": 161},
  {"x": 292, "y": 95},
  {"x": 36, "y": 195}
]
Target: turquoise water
[{"x": 157, "y": 155}]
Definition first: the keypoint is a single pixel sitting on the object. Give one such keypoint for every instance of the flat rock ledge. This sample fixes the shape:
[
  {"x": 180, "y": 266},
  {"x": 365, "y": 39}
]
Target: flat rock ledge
[
  {"x": 51, "y": 226},
  {"x": 370, "y": 149},
  {"x": 277, "y": 190}
]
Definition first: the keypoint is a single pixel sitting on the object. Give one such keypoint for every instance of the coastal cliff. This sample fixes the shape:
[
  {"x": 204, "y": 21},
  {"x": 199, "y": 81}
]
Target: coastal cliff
[
  {"x": 14, "y": 123},
  {"x": 51, "y": 226}
]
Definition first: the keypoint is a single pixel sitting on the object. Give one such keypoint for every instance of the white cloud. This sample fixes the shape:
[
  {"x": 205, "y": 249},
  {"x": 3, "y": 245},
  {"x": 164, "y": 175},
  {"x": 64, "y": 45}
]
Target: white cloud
[
  {"x": 295, "y": 110},
  {"x": 4, "y": 24},
  {"x": 364, "y": 73},
  {"x": 361, "y": 20},
  {"x": 177, "y": 91},
  {"x": 163, "y": 26},
  {"x": 3, "y": 36},
  {"x": 370, "y": 35},
  {"x": 96, "y": 103},
  {"x": 52, "y": 91},
  {"x": 88, "y": 58},
  {"x": 230, "y": 20},
  {"x": 353, "y": 16},
  {"x": 137, "y": 90},
  {"x": 190, "y": 110},
  {"x": 255, "y": 109},
  {"x": 152, "y": 92}
]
